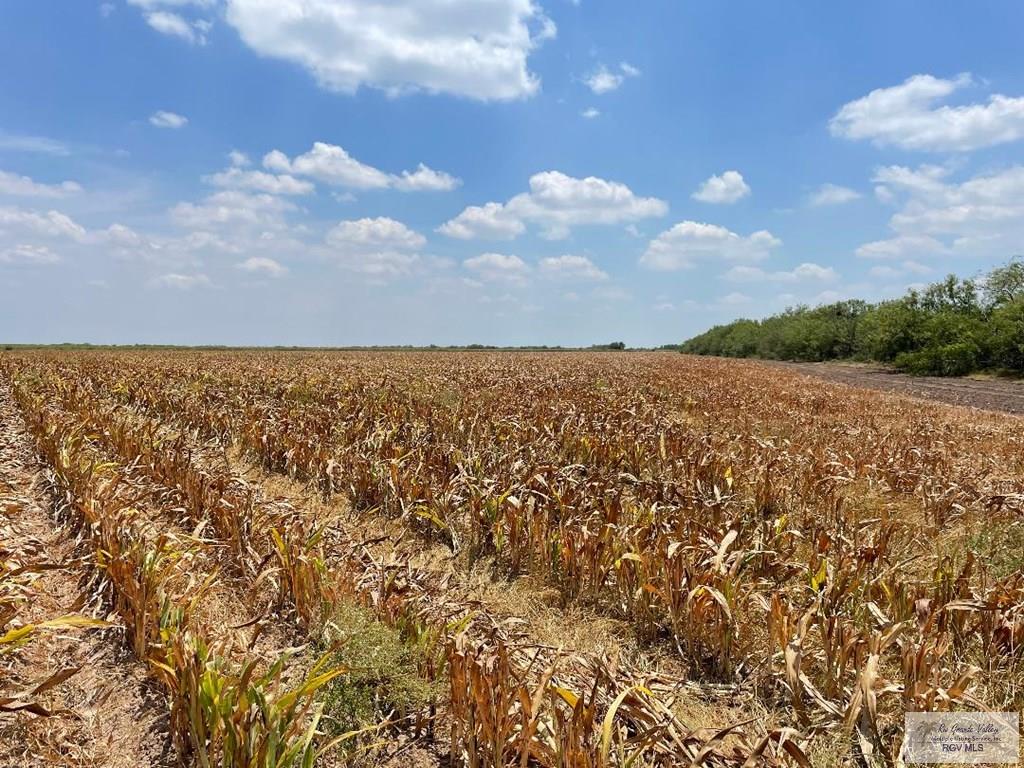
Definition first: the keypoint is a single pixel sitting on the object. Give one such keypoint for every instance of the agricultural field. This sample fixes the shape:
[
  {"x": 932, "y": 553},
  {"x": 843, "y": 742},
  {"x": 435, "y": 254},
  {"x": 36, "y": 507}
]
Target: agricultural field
[{"x": 493, "y": 559}]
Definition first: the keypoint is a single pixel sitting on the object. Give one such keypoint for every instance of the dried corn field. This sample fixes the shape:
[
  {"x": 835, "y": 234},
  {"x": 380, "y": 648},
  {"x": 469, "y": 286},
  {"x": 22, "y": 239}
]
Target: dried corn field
[{"x": 494, "y": 559}]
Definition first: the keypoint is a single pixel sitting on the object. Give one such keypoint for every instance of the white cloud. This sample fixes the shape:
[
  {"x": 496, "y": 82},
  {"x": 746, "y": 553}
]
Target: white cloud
[
  {"x": 907, "y": 116},
  {"x": 901, "y": 246},
  {"x": 239, "y": 159},
  {"x": 982, "y": 216},
  {"x": 425, "y": 179},
  {"x": 164, "y": 119},
  {"x": 174, "y": 25},
  {"x": 833, "y": 194},
  {"x": 497, "y": 266},
  {"x": 884, "y": 195},
  {"x": 22, "y": 186},
  {"x": 724, "y": 189},
  {"x": 28, "y": 254},
  {"x": 688, "y": 242},
  {"x": 331, "y": 164},
  {"x": 924, "y": 180},
  {"x": 258, "y": 181},
  {"x": 120, "y": 234},
  {"x": 380, "y": 248},
  {"x": 263, "y": 265},
  {"x": 808, "y": 271},
  {"x": 382, "y": 232},
  {"x": 664, "y": 306},
  {"x": 181, "y": 282},
  {"x": 49, "y": 224},
  {"x": 233, "y": 207},
  {"x": 463, "y": 47},
  {"x": 603, "y": 80},
  {"x": 811, "y": 271},
  {"x": 590, "y": 113},
  {"x": 487, "y": 222},
  {"x": 570, "y": 267},
  {"x": 556, "y": 202}
]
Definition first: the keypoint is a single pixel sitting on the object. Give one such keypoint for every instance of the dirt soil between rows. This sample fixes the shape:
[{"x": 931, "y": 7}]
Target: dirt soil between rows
[{"x": 1002, "y": 395}]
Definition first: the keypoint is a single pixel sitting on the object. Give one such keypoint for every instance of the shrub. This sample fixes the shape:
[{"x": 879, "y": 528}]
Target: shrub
[
  {"x": 381, "y": 672},
  {"x": 957, "y": 359}
]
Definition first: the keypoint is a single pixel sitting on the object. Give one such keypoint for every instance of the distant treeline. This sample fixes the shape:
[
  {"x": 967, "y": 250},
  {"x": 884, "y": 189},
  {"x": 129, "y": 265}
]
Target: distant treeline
[{"x": 951, "y": 328}]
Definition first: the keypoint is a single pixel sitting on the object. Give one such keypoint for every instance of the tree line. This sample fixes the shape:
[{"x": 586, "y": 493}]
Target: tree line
[{"x": 950, "y": 328}]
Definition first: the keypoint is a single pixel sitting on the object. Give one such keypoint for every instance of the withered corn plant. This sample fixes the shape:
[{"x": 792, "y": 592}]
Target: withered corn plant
[
  {"x": 226, "y": 710},
  {"x": 799, "y": 540}
]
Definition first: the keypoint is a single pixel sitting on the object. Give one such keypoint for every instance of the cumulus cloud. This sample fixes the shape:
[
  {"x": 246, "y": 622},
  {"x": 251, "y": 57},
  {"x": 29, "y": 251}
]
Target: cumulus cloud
[
  {"x": 689, "y": 242},
  {"x": 497, "y": 267},
  {"x": 331, "y": 164},
  {"x": 486, "y": 222},
  {"x": 806, "y": 272},
  {"x": 556, "y": 202},
  {"x": 239, "y": 159},
  {"x": 380, "y": 232},
  {"x": 263, "y": 265},
  {"x": 258, "y": 181},
  {"x": 174, "y": 25},
  {"x": 590, "y": 113},
  {"x": 833, "y": 194},
  {"x": 725, "y": 189},
  {"x": 603, "y": 80},
  {"x": 569, "y": 267},
  {"x": 425, "y": 179},
  {"x": 982, "y": 216},
  {"x": 903, "y": 245},
  {"x": 379, "y": 247},
  {"x": 233, "y": 207},
  {"x": 50, "y": 224},
  {"x": 462, "y": 47},
  {"x": 164, "y": 119},
  {"x": 910, "y": 116},
  {"x": 14, "y": 185},
  {"x": 167, "y": 17}
]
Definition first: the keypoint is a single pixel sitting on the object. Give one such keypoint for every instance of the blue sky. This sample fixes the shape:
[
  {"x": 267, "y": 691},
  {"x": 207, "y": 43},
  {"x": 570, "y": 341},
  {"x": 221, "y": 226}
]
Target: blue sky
[{"x": 496, "y": 171}]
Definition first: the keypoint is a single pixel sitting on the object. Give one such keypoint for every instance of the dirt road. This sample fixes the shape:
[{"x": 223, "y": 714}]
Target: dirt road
[{"x": 1002, "y": 395}]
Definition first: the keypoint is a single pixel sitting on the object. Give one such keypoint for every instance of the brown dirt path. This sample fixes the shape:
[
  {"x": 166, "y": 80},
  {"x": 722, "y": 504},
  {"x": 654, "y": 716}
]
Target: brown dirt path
[
  {"x": 117, "y": 715},
  {"x": 1002, "y": 395}
]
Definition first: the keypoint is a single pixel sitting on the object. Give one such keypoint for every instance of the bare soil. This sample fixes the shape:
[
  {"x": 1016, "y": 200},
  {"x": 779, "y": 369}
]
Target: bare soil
[{"x": 989, "y": 394}]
